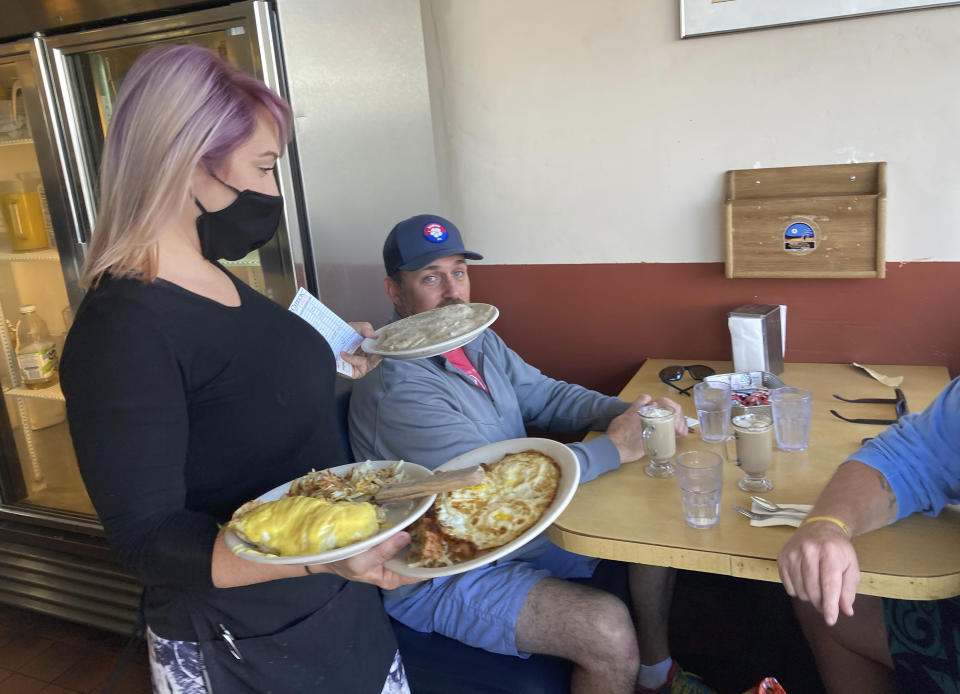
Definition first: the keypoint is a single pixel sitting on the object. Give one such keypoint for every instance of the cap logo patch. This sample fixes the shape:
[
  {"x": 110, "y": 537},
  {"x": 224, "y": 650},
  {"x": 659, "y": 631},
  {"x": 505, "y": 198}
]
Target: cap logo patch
[{"x": 435, "y": 233}]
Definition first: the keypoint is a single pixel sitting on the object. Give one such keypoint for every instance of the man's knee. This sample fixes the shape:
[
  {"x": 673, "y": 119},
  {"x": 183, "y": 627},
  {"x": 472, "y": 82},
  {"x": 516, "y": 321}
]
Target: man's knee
[
  {"x": 577, "y": 622},
  {"x": 612, "y": 626},
  {"x": 601, "y": 624}
]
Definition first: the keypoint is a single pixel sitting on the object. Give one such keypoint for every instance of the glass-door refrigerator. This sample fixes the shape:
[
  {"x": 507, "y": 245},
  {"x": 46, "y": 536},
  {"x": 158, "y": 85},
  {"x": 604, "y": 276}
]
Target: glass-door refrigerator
[{"x": 57, "y": 95}]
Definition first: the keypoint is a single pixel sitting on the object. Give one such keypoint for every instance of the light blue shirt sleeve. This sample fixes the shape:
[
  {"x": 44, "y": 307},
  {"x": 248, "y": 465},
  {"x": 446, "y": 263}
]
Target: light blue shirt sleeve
[{"x": 920, "y": 456}]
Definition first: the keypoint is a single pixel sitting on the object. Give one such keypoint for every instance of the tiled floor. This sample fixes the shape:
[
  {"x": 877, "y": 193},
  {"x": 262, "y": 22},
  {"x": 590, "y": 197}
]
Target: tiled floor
[{"x": 40, "y": 654}]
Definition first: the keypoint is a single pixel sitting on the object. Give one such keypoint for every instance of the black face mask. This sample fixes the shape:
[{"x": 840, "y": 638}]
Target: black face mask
[{"x": 242, "y": 226}]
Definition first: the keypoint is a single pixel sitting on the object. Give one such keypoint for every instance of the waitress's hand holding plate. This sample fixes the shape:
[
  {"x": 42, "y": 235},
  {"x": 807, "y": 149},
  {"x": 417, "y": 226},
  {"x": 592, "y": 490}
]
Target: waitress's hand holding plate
[{"x": 367, "y": 567}]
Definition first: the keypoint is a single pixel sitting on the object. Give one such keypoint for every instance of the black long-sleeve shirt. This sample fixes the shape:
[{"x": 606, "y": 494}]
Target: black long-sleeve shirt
[{"x": 181, "y": 409}]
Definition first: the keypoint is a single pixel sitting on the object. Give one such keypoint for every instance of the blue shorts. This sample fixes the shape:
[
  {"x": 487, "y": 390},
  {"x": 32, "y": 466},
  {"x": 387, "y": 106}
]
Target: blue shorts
[{"x": 480, "y": 607}]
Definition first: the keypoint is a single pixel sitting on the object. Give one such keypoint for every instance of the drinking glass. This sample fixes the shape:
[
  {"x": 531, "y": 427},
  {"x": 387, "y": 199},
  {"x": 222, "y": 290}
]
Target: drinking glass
[
  {"x": 659, "y": 440},
  {"x": 792, "y": 411},
  {"x": 753, "y": 434},
  {"x": 700, "y": 475},
  {"x": 713, "y": 401}
]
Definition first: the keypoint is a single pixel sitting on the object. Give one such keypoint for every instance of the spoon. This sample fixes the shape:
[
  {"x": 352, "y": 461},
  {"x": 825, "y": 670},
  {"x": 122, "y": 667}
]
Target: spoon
[{"x": 774, "y": 508}]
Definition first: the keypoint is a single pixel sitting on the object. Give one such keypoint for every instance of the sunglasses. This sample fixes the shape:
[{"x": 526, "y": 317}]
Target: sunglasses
[
  {"x": 899, "y": 406},
  {"x": 669, "y": 374}
]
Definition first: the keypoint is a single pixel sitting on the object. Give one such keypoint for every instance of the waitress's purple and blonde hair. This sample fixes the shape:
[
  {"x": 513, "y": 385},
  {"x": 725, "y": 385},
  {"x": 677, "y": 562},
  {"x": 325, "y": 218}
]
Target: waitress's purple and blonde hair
[{"x": 178, "y": 106}]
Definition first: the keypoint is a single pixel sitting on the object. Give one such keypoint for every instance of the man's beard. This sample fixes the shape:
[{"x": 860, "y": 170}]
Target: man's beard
[{"x": 450, "y": 302}]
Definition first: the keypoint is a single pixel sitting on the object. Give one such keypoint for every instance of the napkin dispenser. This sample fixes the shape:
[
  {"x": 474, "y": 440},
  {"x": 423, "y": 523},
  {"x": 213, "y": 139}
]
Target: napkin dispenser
[{"x": 756, "y": 335}]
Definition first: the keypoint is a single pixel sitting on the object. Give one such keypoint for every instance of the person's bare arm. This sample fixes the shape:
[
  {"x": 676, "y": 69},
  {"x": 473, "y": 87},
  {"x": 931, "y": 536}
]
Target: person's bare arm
[
  {"x": 229, "y": 570},
  {"x": 818, "y": 563}
]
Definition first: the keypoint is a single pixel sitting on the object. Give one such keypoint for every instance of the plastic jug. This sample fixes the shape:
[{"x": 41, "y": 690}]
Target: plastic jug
[
  {"x": 23, "y": 213},
  {"x": 36, "y": 350},
  {"x": 13, "y": 123}
]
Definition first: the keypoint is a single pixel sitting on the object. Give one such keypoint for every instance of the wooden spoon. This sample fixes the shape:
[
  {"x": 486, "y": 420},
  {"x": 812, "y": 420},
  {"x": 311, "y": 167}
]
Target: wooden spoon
[{"x": 434, "y": 484}]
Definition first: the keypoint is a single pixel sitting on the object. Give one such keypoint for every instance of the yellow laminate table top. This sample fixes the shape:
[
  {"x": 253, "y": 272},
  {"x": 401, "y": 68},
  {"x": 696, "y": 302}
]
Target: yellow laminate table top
[{"x": 628, "y": 516}]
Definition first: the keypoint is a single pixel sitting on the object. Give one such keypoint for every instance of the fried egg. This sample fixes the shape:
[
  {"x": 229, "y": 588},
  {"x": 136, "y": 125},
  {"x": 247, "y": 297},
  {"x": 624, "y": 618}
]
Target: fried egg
[
  {"x": 515, "y": 493},
  {"x": 297, "y": 525}
]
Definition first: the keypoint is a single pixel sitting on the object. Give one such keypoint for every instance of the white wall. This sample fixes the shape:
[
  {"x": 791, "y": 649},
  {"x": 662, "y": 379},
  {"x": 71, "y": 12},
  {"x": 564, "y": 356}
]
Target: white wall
[{"x": 573, "y": 131}]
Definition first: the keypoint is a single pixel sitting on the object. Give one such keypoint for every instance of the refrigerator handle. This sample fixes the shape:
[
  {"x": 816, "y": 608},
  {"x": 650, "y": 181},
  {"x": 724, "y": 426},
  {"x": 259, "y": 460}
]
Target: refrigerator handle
[{"x": 58, "y": 141}]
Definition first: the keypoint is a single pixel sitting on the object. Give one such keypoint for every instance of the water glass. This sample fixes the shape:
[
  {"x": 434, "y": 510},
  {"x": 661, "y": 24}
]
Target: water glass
[
  {"x": 700, "y": 475},
  {"x": 713, "y": 400},
  {"x": 792, "y": 410}
]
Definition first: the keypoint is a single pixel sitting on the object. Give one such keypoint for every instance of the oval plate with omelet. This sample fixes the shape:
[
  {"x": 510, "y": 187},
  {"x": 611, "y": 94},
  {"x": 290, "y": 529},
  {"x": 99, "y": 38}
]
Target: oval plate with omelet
[
  {"x": 491, "y": 453},
  {"x": 399, "y": 514},
  {"x": 432, "y": 332}
]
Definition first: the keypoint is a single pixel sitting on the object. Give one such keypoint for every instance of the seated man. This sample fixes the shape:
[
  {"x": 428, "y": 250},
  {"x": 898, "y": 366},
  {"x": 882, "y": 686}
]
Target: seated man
[
  {"x": 431, "y": 410},
  {"x": 887, "y": 645}
]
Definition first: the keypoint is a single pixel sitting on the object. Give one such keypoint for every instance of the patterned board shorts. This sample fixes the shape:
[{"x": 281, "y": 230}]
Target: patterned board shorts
[
  {"x": 175, "y": 669},
  {"x": 924, "y": 640}
]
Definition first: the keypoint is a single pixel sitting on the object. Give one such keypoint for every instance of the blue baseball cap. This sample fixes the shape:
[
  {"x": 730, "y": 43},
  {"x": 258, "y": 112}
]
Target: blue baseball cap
[{"x": 415, "y": 242}]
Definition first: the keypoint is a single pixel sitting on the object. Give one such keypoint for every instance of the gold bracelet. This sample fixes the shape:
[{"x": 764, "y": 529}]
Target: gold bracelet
[{"x": 828, "y": 519}]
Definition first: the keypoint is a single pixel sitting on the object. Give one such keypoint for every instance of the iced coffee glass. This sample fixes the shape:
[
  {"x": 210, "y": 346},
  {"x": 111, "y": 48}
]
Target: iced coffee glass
[
  {"x": 659, "y": 440},
  {"x": 754, "y": 440}
]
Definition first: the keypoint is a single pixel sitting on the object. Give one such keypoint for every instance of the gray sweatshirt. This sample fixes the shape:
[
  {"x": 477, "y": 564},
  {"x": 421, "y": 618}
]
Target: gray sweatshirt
[{"x": 427, "y": 411}]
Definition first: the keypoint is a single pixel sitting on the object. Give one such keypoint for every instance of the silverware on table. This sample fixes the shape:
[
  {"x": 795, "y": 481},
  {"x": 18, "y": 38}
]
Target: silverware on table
[
  {"x": 749, "y": 514},
  {"x": 770, "y": 507},
  {"x": 764, "y": 515}
]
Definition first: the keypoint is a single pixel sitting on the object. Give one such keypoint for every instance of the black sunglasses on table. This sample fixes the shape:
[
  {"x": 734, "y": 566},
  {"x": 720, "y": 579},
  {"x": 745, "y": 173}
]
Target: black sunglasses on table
[
  {"x": 674, "y": 372},
  {"x": 899, "y": 404}
]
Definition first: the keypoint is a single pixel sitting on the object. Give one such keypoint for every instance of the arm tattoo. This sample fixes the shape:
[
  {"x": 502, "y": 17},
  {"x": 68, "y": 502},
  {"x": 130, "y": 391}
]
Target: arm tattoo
[{"x": 885, "y": 486}]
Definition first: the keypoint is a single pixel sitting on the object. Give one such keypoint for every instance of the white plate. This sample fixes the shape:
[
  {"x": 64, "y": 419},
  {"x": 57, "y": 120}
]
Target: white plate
[
  {"x": 491, "y": 453},
  {"x": 369, "y": 344},
  {"x": 400, "y": 514}
]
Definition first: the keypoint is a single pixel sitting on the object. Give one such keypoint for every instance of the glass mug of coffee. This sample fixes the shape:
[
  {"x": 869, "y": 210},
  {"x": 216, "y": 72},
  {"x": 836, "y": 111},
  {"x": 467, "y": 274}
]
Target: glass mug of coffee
[
  {"x": 659, "y": 440},
  {"x": 753, "y": 434}
]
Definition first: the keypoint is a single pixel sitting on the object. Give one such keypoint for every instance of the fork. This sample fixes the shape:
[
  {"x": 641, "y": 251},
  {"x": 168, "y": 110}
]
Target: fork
[
  {"x": 749, "y": 514},
  {"x": 774, "y": 508},
  {"x": 753, "y": 515}
]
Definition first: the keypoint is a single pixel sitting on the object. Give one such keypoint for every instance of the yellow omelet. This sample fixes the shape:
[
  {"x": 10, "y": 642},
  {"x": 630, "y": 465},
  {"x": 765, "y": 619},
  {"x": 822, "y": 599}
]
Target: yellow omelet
[{"x": 297, "y": 525}]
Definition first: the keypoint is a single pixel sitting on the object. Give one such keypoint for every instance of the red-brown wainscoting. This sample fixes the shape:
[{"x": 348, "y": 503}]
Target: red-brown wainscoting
[{"x": 595, "y": 324}]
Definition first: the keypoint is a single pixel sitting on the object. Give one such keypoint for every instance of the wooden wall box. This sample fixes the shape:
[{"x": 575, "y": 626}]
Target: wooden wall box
[{"x": 807, "y": 221}]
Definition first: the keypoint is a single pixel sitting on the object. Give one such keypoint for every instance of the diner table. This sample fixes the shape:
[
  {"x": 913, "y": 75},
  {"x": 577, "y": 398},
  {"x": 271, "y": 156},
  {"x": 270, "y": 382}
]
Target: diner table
[{"x": 628, "y": 516}]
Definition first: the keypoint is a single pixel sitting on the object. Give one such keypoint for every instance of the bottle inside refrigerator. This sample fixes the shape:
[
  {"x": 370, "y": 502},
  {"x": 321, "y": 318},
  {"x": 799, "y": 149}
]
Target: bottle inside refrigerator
[
  {"x": 36, "y": 350},
  {"x": 33, "y": 292}
]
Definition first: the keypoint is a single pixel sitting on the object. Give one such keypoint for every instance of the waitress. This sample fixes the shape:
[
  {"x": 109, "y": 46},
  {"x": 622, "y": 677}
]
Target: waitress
[{"x": 188, "y": 393}]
